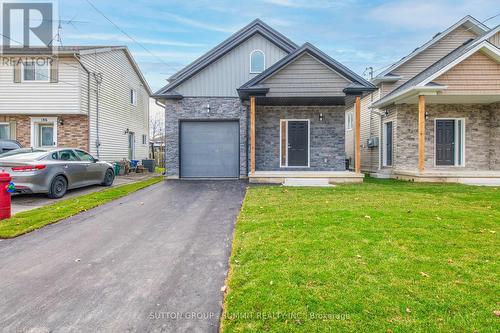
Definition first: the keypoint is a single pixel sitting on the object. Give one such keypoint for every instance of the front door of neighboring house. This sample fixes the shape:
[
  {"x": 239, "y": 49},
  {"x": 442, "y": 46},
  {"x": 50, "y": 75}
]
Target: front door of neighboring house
[
  {"x": 388, "y": 143},
  {"x": 298, "y": 143},
  {"x": 131, "y": 145},
  {"x": 46, "y": 135},
  {"x": 445, "y": 142}
]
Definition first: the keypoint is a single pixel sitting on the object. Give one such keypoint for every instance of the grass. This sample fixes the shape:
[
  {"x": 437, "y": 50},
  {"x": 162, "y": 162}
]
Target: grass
[
  {"x": 385, "y": 256},
  {"x": 24, "y": 222}
]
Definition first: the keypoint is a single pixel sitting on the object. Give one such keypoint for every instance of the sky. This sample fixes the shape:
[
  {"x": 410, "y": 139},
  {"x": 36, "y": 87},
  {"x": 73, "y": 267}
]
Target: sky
[{"x": 357, "y": 33}]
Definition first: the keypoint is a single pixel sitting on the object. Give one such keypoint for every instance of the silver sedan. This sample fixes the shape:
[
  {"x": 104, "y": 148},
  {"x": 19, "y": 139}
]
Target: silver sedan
[{"x": 54, "y": 171}]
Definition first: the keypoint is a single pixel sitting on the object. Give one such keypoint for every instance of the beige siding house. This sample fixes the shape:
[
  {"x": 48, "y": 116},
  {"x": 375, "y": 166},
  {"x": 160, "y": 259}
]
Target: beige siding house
[
  {"x": 55, "y": 100},
  {"x": 435, "y": 114}
]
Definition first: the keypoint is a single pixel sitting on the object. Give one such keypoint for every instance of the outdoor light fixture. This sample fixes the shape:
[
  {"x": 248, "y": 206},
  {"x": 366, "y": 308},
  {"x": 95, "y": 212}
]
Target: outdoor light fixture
[
  {"x": 127, "y": 131},
  {"x": 208, "y": 108},
  {"x": 320, "y": 116},
  {"x": 386, "y": 113},
  {"x": 426, "y": 114},
  {"x": 61, "y": 122}
]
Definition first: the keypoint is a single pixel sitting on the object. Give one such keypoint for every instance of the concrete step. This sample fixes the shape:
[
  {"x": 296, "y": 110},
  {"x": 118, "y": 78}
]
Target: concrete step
[{"x": 316, "y": 182}]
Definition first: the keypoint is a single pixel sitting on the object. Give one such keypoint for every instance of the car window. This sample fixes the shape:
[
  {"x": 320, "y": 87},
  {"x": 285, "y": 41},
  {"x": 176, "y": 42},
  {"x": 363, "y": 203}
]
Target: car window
[
  {"x": 84, "y": 156},
  {"x": 67, "y": 155}
]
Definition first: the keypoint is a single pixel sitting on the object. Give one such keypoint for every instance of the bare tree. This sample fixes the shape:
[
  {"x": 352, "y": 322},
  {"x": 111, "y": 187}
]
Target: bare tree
[{"x": 156, "y": 126}]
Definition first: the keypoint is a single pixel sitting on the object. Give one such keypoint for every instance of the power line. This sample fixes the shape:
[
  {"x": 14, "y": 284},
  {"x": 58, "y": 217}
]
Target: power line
[{"x": 129, "y": 36}]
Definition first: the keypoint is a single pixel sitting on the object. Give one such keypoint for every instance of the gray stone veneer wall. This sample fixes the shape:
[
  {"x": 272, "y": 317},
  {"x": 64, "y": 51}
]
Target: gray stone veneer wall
[
  {"x": 327, "y": 136},
  {"x": 495, "y": 137},
  {"x": 478, "y": 120},
  {"x": 196, "y": 108}
]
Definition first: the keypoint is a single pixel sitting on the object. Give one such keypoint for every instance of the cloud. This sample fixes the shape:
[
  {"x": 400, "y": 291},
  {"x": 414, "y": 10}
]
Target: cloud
[
  {"x": 197, "y": 24},
  {"x": 308, "y": 3},
  {"x": 433, "y": 15},
  {"x": 122, "y": 38}
]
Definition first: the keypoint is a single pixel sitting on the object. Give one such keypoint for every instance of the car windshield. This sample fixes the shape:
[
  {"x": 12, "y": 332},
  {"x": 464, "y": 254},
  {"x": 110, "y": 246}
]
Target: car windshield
[
  {"x": 25, "y": 156},
  {"x": 24, "y": 152}
]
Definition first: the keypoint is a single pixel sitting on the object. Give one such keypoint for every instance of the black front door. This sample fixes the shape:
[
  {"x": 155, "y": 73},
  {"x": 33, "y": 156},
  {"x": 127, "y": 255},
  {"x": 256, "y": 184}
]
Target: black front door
[
  {"x": 388, "y": 144},
  {"x": 445, "y": 142},
  {"x": 298, "y": 143}
]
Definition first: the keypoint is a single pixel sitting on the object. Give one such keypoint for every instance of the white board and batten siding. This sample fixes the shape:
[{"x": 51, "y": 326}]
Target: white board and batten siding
[
  {"x": 116, "y": 113},
  {"x": 306, "y": 76},
  {"x": 42, "y": 98},
  {"x": 223, "y": 77}
]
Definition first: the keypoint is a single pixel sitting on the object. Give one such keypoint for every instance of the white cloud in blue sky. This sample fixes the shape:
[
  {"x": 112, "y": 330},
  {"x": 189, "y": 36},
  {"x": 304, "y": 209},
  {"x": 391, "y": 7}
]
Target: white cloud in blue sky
[{"x": 356, "y": 33}]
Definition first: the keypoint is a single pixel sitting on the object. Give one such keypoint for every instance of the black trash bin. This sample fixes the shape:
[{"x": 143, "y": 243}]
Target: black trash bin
[{"x": 149, "y": 164}]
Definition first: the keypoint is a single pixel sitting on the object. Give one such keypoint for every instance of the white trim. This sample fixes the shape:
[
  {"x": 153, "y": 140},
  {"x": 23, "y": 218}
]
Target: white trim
[
  {"x": 455, "y": 152},
  {"x": 350, "y": 114},
  {"x": 484, "y": 44},
  {"x": 384, "y": 147},
  {"x": 433, "y": 41},
  {"x": 34, "y": 121},
  {"x": 47, "y": 80},
  {"x": 263, "y": 54},
  {"x": 286, "y": 141},
  {"x": 407, "y": 93}
]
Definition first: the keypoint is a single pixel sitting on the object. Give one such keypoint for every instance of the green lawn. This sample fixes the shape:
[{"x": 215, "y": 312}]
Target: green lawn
[
  {"x": 24, "y": 222},
  {"x": 385, "y": 256}
]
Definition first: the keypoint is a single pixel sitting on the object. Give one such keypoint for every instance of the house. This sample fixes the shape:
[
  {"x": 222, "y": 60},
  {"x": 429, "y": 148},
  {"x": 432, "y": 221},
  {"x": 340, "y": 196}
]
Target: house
[
  {"x": 259, "y": 106},
  {"x": 436, "y": 113},
  {"x": 90, "y": 97}
]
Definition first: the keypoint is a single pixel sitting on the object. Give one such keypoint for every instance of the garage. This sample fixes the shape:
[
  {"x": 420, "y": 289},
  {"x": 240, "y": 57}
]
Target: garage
[{"x": 209, "y": 149}]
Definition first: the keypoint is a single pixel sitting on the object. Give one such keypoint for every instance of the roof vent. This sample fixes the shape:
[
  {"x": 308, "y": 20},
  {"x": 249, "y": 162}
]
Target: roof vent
[{"x": 436, "y": 35}]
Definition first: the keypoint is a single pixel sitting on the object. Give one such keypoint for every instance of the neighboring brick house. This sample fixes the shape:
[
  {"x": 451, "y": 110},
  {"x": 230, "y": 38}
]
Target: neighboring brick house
[
  {"x": 435, "y": 115},
  {"x": 259, "y": 106},
  {"x": 90, "y": 97}
]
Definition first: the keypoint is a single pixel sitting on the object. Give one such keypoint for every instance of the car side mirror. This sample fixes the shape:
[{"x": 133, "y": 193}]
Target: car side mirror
[{"x": 96, "y": 160}]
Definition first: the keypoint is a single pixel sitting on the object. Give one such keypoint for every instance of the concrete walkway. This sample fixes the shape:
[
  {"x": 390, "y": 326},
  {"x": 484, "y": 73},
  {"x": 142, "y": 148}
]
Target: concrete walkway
[
  {"x": 24, "y": 202},
  {"x": 154, "y": 261}
]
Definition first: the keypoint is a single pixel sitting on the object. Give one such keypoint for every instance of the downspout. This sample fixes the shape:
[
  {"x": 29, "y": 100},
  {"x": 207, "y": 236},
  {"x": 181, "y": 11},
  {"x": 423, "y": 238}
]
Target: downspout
[
  {"x": 98, "y": 80},
  {"x": 164, "y": 106},
  {"x": 88, "y": 96},
  {"x": 380, "y": 157}
]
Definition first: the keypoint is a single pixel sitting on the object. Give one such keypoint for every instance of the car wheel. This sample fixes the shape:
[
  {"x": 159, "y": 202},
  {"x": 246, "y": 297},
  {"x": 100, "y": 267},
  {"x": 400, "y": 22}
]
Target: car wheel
[
  {"x": 109, "y": 177},
  {"x": 58, "y": 187}
]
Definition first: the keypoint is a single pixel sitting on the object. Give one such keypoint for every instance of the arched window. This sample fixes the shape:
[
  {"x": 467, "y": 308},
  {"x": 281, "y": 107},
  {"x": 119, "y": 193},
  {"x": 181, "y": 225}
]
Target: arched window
[{"x": 257, "y": 61}]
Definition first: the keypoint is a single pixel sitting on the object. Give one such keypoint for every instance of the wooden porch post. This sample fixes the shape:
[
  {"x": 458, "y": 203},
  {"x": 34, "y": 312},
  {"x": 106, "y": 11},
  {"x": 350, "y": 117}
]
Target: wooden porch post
[
  {"x": 421, "y": 133},
  {"x": 252, "y": 135},
  {"x": 357, "y": 157}
]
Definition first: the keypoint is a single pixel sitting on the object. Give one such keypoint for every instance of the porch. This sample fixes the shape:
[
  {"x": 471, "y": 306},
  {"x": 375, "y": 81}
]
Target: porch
[{"x": 313, "y": 178}]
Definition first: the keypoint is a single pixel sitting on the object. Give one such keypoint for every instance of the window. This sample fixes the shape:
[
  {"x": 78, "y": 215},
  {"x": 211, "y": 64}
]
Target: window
[
  {"x": 84, "y": 156},
  {"x": 46, "y": 135},
  {"x": 144, "y": 139},
  {"x": 349, "y": 120},
  {"x": 67, "y": 155},
  {"x": 36, "y": 71},
  {"x": 133, "y": 97},
  {"x": 449, "y": 142},
  {"x": 4, "y": 131},
  {"x": 257, "y": 61}
]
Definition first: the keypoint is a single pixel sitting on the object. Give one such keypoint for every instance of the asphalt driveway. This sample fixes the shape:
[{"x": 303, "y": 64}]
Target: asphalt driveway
[{"x": 153, "y": 261}]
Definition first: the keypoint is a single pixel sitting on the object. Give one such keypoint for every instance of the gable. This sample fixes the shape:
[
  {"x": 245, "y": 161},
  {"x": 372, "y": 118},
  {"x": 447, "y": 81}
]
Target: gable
[
  {"x": 222, "y": 77},
  {"x": 437, "y": 51},
  {"x": 478, "y": 74},
  {"x": 306, "y": 76},
  {"x": 495, "y": 39}
]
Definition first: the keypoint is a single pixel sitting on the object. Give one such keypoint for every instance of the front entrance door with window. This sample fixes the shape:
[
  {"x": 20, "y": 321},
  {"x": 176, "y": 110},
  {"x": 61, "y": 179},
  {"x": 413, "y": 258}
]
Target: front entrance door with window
[
  {"x": 295, "y": 143},
  {"x": 131, "y": 145},
  {"x": 46, "y": 135},
  {"x": 388, "y": 144}
]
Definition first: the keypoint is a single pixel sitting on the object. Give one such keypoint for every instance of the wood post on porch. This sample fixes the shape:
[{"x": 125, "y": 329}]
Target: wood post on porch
[
  {"x": 357, "y": 157},
  {"x": 421, "y": 133},
  {"x": 252, "y": 135}
]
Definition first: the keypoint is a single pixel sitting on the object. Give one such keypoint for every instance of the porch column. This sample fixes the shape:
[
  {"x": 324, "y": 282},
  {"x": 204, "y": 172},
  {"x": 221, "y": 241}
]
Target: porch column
[
  {"x": 357, "y": 144},
  {"x": 252, "y": 135},
  {"x": 421, "y": 133}
]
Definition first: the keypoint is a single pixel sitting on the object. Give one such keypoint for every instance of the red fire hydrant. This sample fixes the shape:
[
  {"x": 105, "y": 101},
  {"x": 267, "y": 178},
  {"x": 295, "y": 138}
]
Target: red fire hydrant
[{"x": 4, "y": 195}]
